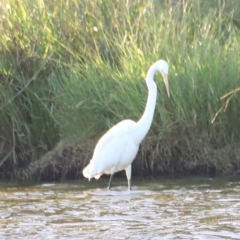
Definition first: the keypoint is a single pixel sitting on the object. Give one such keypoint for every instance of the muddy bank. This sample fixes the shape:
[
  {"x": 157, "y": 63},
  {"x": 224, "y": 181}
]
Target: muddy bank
[{"x": 167, "y": 156}]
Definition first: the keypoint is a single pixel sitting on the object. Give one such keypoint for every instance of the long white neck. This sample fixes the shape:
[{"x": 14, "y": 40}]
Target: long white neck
[{"x": 144, "y": 123}]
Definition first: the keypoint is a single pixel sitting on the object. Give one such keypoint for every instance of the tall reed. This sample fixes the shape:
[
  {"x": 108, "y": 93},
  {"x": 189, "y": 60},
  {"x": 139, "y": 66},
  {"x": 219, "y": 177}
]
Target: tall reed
[{"x": 72, "y": 69}]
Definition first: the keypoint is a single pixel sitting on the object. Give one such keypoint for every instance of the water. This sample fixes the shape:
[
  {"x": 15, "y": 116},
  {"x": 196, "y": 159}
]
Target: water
[{"x": 189, "y": 208}]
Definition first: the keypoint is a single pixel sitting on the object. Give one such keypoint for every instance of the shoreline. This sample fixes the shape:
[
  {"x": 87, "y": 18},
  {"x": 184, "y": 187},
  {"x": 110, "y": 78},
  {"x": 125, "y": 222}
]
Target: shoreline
[{"x": 66, "y": 161}]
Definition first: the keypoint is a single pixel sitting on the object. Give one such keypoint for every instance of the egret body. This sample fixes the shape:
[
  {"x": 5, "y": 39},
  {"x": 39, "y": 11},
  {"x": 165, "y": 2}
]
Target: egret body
[{"x": 117, "y": 148}]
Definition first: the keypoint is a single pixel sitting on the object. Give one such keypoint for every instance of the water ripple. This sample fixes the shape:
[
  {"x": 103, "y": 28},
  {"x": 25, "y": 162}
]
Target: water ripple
[{"x": 170, "y": 209}]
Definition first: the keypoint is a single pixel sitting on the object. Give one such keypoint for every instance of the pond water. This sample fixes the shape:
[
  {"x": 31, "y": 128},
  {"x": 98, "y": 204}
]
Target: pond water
[{"x": 190, "y": 208}]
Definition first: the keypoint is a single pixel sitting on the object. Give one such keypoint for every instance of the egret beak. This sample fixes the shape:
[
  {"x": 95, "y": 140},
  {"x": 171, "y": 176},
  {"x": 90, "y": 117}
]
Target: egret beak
[{"x": 165, "y": 78}]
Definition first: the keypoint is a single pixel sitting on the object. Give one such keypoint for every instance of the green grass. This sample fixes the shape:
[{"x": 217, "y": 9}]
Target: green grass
[{"x": 70, "y": 70}]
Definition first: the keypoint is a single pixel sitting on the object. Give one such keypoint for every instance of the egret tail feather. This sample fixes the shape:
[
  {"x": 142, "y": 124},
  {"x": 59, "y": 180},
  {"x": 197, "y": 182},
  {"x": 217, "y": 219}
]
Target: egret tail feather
[
  {"x": 86, "y": 173},
  {"x": 97, "y": 176}
]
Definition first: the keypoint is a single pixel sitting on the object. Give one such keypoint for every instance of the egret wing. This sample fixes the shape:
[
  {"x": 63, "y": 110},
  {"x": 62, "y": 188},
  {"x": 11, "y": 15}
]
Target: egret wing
[{"x": 111, "y": 148}]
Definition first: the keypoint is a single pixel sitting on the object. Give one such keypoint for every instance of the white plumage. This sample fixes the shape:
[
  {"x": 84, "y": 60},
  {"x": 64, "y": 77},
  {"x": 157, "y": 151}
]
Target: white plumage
[{"x": 117, "y": 148}]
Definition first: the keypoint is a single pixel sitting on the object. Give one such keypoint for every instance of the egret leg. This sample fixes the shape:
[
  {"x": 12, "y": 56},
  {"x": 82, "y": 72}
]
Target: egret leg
[
  {"x": 129, "y": 185},
  {"x": 110, "y": 182},
  {"x": 128, "y": 171}
]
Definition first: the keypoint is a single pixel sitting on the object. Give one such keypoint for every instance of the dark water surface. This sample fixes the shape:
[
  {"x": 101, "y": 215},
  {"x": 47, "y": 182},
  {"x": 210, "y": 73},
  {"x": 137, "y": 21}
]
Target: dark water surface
[{"x": 190, "y": 208}]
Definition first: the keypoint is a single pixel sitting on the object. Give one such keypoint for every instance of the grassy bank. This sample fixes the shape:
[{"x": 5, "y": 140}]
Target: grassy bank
[{"x": 69, "y": 70}]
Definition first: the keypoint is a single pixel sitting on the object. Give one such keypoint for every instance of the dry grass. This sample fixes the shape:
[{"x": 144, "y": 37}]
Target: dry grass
[{"x": 172, "y": 154}]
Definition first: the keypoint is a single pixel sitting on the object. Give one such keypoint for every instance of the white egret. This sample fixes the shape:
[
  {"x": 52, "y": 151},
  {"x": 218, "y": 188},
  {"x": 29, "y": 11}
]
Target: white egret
[{"x": 117, "y": 148}]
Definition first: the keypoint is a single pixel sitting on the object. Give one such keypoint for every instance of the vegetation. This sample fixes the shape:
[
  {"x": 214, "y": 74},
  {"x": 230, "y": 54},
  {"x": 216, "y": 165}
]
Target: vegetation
[{"x": 69, "y": 70}]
